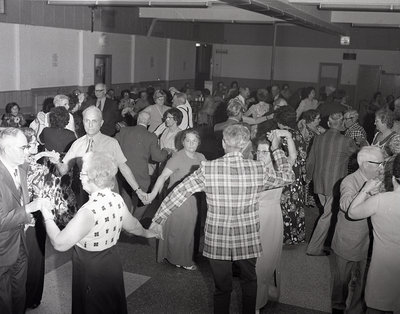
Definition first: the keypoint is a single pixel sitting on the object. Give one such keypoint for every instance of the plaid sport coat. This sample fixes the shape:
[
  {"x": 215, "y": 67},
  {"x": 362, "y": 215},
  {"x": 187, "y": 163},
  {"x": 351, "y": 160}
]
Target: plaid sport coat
[{"x": 232, "y": 185}]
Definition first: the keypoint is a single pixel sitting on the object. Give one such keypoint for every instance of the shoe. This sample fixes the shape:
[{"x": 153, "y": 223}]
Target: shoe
[
  {"x": 193, "y": 267},
  {"x": 321, "y": 253},
  {"x": 337, "y": 311},
  {"x": 33, "y": 306}
]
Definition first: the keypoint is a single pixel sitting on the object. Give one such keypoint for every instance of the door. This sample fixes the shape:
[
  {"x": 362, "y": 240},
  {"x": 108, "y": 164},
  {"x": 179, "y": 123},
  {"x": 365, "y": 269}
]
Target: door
[
  {"x": 390, "y": 84},
  {"x": 102, "y": 69},
  {"x": 329, "y": 75},
  {"x": 368, "y": 82},
  {"x": 203, "y": 65}
]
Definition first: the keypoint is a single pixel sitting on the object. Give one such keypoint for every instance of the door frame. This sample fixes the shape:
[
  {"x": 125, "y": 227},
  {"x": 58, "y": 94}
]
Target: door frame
[
  {"x": 321, "y": 64},
  {"x": 108, "y": 69}
]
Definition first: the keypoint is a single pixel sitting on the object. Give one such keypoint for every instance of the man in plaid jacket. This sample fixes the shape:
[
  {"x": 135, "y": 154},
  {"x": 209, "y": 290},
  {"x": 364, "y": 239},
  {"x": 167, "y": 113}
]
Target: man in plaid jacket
[{"x": 232, "y": 185}]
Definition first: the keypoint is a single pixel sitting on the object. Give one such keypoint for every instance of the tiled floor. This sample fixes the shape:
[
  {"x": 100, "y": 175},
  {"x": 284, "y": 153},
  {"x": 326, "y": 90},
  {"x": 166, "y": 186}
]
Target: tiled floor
[{"x": 163, "y": 288}]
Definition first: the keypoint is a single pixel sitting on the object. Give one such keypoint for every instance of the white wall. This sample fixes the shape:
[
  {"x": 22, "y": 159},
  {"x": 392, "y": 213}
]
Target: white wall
[
  {"x": 182, "y": 63},
  {"x": 117, "y": 45},
  {"x": 150, "y": 58},
  {"x": 296, "y": 63},
  {"x": 241, "y": 61},
  {"x": 41, "y": 57},
  {"x": 8, "y": 66}
]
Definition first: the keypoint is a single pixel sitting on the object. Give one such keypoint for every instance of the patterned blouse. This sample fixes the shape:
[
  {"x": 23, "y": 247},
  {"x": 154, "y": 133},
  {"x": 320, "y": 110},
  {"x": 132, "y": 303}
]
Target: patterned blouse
[
  {"x": 107, "y": 208},
  {"x": 42, "y": 183}
]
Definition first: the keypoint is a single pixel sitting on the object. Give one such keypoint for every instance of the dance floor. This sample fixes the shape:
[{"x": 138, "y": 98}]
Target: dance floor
[{"x": 163, "y": 288}]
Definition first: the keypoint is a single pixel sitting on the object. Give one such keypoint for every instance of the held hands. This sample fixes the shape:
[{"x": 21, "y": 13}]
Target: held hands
[
  {"x": 157, "y": 230},
  {"x": 42, "y": 204},
  {"x": 142, "y": 196},
  {"x": 53, "y": 156}
]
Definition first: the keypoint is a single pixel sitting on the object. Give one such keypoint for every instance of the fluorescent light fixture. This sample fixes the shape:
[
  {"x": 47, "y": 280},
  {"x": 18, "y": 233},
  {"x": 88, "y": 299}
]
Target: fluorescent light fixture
[
  {"x": 137, "y": 3},
  {"x": 366, "y": 25},
  {"x": 198, "y": 44},
  {"x": 360, "y": 7}
]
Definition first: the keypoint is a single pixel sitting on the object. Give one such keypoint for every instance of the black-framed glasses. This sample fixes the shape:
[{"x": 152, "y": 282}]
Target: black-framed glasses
[
  {"x": 378, "y": 163},
  {"x": 99, "y": 90}
]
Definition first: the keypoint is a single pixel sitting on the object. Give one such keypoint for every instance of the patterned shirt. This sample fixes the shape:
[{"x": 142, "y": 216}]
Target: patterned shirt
[
  {"x": 232, "y": 185},
  {"x": 107, "y": 208},
  {"x": 357, "y": 133}
]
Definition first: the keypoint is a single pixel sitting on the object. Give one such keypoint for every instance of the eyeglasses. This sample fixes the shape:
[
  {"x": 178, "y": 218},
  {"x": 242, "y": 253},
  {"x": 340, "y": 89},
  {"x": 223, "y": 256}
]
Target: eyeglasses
[
  {"x": 262, "y": 151},
  {"x": 378, "y": 163},
  {"x": 83, "y": 174},
  {"x": 99, "y": 90},
  {"x": 24, "y": 147}
]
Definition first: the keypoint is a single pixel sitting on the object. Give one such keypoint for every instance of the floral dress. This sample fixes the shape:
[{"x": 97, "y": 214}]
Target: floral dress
[
  {"x": 9, "y": 120},
  {"x": 45, "y": 184},
  {"x": 293, "y": 195}
]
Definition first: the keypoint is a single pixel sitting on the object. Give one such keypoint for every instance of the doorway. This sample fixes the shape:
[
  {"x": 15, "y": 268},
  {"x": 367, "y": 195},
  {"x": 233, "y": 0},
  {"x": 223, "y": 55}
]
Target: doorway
[
  {"x": 368, "y": 82},
  {"x": 203, "y": 65},
  {"x": 102, "y": 69},
  {"x": 329, "y": 75}
]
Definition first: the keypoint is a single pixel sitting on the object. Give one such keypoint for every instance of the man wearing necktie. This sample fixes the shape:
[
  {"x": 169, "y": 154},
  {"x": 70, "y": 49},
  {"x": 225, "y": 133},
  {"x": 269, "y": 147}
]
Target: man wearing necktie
[
  {"x": 108, "y": 107},
  {"x": 95, "y": 140},
  {"x": 15, "y": 212}
]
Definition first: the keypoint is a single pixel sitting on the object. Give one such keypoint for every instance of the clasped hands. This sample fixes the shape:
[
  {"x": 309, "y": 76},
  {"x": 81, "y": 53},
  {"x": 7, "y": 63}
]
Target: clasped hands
[
  {"x": 42, "y": 204},
  {"x": 275, "y": 137},
  {"x": 146, "y": 198}
]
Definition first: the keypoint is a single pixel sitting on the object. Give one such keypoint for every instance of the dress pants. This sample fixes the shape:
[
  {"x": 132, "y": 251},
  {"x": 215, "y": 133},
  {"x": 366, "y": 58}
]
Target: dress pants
[
  {"x": 344, "y": 272},
  {"x": 222, "y": 273},
  {"x": 12, "y": 284},
  {"x": 36, "y": 243},
  {"x": 320, "y": 233}
]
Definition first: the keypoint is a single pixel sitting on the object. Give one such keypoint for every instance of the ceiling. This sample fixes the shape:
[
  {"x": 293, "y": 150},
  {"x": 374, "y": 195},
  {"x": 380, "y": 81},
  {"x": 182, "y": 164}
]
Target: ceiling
[{"x": 330, "y": 16}]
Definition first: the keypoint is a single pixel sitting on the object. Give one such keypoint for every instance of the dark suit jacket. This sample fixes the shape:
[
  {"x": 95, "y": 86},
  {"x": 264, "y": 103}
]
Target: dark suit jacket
[
  {"x": 328, "y": 160},
  {"x": 139, "y": 146},
  {"x": 111, "y": 115},
  {"x": 12, "y": 216}
]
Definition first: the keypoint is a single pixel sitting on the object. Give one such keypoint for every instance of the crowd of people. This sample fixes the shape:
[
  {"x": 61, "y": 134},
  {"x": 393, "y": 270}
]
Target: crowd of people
[{"x": 90, "y": 165}]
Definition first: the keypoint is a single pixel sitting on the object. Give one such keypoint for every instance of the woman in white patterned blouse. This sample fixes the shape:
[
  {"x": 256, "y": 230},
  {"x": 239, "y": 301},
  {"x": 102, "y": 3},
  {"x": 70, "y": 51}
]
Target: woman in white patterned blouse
[{"x": 93, "y": 233}]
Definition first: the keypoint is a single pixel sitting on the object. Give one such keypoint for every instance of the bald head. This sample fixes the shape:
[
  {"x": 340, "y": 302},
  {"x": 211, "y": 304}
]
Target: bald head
[{"x": 100, "y": 90}]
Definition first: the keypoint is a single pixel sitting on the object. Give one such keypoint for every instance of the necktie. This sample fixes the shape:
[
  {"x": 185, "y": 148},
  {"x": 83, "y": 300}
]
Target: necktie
[
  {"x": 18, "y": 185},
  {"x": 90, "y": 146},
  {"x": 98, "y": 104}
]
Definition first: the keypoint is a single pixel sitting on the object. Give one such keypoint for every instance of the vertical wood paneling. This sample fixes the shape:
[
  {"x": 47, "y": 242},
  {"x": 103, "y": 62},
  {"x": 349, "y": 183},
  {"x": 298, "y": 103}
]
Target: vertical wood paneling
[
  {"x": 49, "y": 13},
  {"x": 26, "y": 12},
  {"x": 37, "y": 16},
  {"x": 69, "y": 17},
  {"x": 59, "y": 16}
]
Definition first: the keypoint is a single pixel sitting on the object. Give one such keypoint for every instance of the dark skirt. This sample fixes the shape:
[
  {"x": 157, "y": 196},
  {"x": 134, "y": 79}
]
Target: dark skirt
[{"x": 97, "y": 282}]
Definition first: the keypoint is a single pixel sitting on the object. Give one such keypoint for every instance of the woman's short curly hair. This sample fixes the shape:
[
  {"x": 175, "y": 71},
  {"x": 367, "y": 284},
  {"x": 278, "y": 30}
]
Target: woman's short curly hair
[
  {"x": 10, "y": 105},
  {"x": 286, "y": 116},
  {"x": 386, "y": 116},
  {"x": 159, "y": 93},
  {"x": 59, "y": 117},
  {"x": 310, "y": 115},
  {"x": 100, "y": 168},
  {"x": 176, "y": 113},
  {"x": 190, "y": 131}
]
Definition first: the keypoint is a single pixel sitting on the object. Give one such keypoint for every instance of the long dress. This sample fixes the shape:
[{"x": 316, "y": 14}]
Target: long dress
[
  {"x": 293, "y": 196},
  {"x": 271, "y": 233},
  {"x": 383, "y": 284},
  {"x": 178, "y": 243},
  {"x": 43, "y": 183},
  {"x": 97, "y": 277}
]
